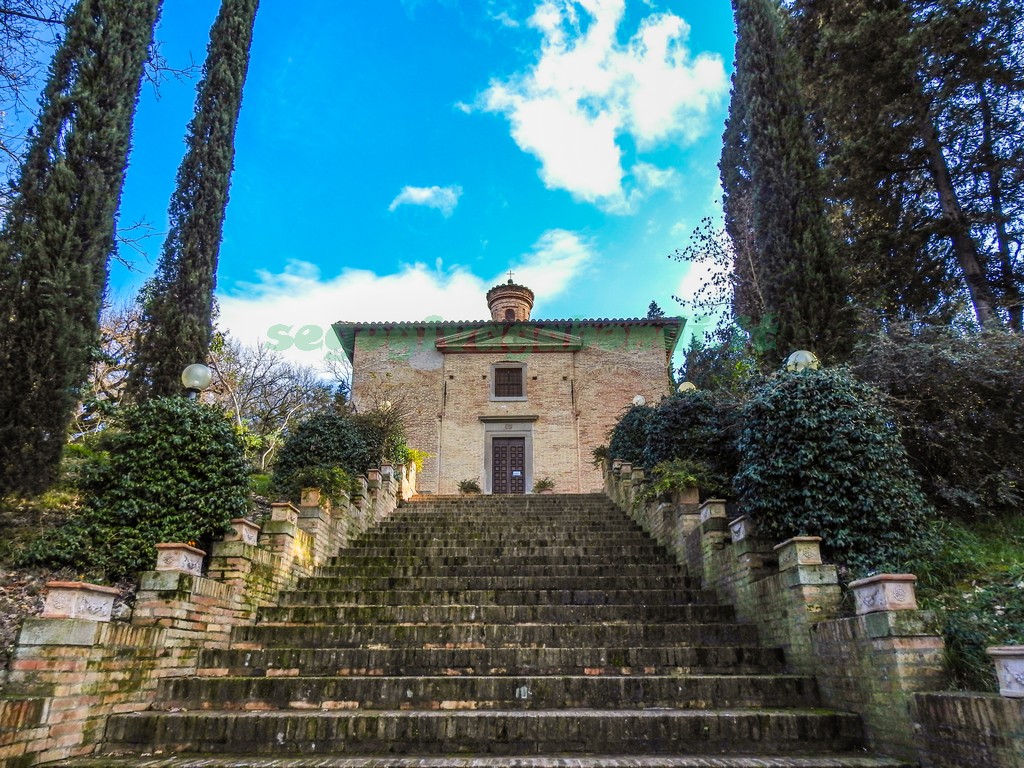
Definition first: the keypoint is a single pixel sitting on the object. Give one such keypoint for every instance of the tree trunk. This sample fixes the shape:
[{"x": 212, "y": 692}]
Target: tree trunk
[
  {"x": 964, "y": 247},
  {"x": 1011, "y": 291}
]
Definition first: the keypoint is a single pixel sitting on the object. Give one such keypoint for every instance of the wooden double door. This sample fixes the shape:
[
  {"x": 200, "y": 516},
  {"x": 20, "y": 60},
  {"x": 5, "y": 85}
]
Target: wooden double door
[{"x": 508, "y": 465}]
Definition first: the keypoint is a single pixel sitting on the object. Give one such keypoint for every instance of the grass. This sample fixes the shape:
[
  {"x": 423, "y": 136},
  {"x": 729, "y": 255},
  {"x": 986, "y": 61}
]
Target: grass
[{"x": 972, "y": 575}]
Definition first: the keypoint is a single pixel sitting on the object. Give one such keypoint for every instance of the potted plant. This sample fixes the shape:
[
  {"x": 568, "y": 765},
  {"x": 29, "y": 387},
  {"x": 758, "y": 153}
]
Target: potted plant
[
  {"x": 467, "y": 487},
  {"x": 544, "y": 485}
]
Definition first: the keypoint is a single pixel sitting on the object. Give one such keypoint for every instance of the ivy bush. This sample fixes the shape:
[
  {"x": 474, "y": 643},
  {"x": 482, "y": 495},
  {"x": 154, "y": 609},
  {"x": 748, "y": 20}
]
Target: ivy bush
[
  {"x": 821, "y": 456},
  {"x": 700, "y": 427},
  {"x": 171, "y": 470},
  {"x": 383, "y": 432},
  {"x": 629, "y": 436},
  {"x": 316, "y": 451}
]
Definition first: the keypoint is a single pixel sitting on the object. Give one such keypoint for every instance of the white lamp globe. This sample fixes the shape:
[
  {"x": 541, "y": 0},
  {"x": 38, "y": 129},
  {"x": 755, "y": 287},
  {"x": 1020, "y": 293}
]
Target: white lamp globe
[
  {"x": 802, "y": 360},
  {"x": 196, "y": 377}
]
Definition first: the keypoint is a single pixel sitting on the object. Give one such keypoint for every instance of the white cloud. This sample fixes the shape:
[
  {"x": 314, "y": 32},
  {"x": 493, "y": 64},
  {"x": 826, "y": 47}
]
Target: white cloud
[
  {"x": 587, "y": 90},
  {"x": 444, "y": 199},
  {"x": 557, "y": 257},
  {"x": 301, "y": 296}
]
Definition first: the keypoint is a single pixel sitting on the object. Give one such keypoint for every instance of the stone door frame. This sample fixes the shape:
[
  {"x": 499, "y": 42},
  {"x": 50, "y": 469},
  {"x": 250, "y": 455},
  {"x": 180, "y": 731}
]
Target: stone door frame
[{"x": 507, "y": 426}]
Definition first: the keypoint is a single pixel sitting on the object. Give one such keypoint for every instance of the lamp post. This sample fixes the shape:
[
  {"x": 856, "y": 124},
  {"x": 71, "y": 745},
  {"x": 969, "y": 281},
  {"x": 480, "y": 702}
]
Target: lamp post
[{"x": 195, "y": 378}]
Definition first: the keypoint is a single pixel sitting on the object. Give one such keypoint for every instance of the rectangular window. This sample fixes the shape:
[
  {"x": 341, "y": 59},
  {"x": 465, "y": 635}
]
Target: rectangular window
[{"x": 508, "y": 382}]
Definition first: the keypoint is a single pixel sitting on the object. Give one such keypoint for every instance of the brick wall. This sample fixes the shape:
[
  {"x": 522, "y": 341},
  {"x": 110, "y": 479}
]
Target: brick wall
[
  {"x": 886, "y": 666},
  {"x": 970, "y": 729},
  {"x": 68, "y": 675},
  {"x": 577, "y": 396}
]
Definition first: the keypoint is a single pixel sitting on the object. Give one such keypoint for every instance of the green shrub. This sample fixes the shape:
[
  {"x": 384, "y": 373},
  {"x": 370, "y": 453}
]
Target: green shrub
[
  {"x": 959, "y": 400},
  {"x": 173, "y": 471},
  {"x": 700, "y": 427},
  {"x": 677, "y": 475},
  {"x": 973, "y": 577},
  {"x": 469, "y": 486},
  {"x": 416, "y": 458},
  {"x": 820, "y": 456},
  {"x": 629, "y": 436},
  {"x": 722, "y": 361},
  {"x": 260, "y": 484},
  {"x": 544, "y": 484},
  {"x": 383, "y": 432},
  {"x": 314, "y": 450}
]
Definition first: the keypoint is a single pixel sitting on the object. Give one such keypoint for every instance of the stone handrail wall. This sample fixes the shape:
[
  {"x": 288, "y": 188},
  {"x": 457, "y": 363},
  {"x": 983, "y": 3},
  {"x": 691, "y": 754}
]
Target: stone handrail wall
[
  {"x": 68, "y": 675},
  {"x": 887, "y": 666}
]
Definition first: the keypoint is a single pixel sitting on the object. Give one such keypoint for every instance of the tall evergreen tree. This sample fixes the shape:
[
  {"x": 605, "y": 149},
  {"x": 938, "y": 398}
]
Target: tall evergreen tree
[
  {"x": 178, "y": 301},
  {"x": 919, "y": 102},
  {"x": 747, "y": 300},
  {"x": 59, "y": 232},
  {"x": 801, "y": 282}
]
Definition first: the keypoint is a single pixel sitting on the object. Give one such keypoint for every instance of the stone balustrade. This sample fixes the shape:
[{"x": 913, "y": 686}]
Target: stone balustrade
[
  {"x": 885, "y": 663},
  {"x": 73, "y": 667}
]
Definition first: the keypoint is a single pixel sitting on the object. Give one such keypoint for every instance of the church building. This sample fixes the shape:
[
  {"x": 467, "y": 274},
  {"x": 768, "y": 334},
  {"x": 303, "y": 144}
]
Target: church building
[{"x": 510, "y": 401}]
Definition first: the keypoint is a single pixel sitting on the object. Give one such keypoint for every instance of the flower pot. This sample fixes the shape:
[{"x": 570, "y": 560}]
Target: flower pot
[
  {"x": 284, "y": 512},
  {"x": 78, "y": 600},
  {"x": 741, "y": 528},
  {"x": 799, "y": 550},
  {"x": 183, "y": 558},
  {"x": 310, "y": 497},
  {"x": 885, "y": 592},
  {"x": 1009, "y": 661},
  {"x": 245, "y": 531}
]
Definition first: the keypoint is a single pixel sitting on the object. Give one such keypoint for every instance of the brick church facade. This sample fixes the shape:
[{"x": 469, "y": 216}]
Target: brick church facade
[{"x": 510, "y": 400}]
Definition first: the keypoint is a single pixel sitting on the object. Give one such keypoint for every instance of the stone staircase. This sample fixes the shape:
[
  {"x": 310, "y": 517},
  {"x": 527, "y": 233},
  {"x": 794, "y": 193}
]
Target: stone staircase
[{"x": 529, "y": 631}]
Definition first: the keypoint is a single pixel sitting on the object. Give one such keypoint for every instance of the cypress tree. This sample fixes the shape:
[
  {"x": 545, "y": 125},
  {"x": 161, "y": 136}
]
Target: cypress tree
[
  {"x": 59, "y": 232},
  {"x": 748, "y": 301},
  {"x": 802, "y": 285},
  {"x": 178, "y": 301}
]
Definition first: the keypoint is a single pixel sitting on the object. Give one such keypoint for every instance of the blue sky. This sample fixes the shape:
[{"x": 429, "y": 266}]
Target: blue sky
[{"x": 395, "y": 158}]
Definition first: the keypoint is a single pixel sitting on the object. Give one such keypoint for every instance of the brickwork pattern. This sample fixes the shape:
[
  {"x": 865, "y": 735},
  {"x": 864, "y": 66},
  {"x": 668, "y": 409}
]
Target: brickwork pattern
[
  {"x": 876, "y": 662},
  {"x": 576, "y": 396},
  {"x": 68, "y": 676},
  {"x": 872, "y": 664},
  {"x": 970, "y": 729}
]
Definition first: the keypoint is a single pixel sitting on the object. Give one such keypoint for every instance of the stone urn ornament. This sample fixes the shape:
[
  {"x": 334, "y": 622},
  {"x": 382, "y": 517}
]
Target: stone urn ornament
[
  {"x": 1009, "y": 661},
  {"x": 885, "y": 592},
  {"x": 183, "y": 558},
  {"x": 78, "y": 600}
]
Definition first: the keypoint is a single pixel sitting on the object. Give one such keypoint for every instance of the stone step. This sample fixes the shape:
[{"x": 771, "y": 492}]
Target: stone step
[
  {"x": 480, "y": 635},
  {"x": 613, "y": 660},
  {"x": 503, "y": 539},
  {"x": 505, "y": 570},
  {"x": 506, "y": 514},
  {"x": 609, "y": 561},
  {"x": 511, "y": 597},
  {"x": 609, "y": 550},
  {"x": 853, "y": 760},
  {"x": 519, "y": 501},
  {"x": 509, "y": 692},
  {"x": 509, "y": 523},
  {"x": 495, "y": 614},
  {"x": 607, "y": 520},
  {"x": 493, "y": 732},
  {"x": 369, "y": 583}
]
